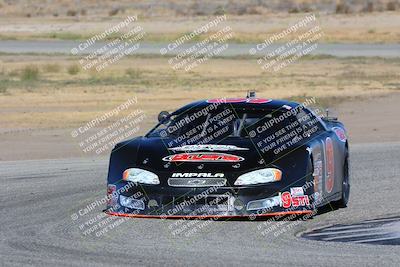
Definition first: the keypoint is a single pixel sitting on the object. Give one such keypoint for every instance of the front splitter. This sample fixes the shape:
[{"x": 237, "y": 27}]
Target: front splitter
[{"x": 201, "y": 217}]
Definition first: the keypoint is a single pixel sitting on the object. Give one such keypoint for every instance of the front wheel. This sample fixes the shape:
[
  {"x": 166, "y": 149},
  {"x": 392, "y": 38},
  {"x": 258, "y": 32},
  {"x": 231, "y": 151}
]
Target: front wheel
[{"x": 343, "y": 201}]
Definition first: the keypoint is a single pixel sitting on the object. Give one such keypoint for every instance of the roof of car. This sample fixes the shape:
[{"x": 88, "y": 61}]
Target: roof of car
[{"x": 239, "y": 103}]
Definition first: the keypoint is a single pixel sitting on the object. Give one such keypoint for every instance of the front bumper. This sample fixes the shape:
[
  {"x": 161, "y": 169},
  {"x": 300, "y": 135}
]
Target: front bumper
[{"x": 221, "y": 202}]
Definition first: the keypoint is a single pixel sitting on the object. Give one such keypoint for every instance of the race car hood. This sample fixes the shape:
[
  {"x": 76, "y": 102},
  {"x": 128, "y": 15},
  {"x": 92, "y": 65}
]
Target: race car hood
[
  {"x": 232, "y": 156},
  {"x": 226, "y": 155}
]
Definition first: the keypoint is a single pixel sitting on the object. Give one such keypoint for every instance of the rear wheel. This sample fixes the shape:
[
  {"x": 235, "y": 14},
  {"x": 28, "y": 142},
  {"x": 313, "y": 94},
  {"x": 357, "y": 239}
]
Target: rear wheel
[{"x": 342, "y": 202}]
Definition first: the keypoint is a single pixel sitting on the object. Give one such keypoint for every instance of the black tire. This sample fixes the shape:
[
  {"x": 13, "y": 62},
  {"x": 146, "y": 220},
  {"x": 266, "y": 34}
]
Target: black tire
[{"x": 343, "y": 201}]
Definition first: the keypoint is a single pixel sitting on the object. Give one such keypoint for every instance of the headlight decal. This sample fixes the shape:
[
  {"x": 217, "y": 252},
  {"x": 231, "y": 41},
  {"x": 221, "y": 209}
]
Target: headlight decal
[
  {"x": 261, "y": 176},
  {"x": 140, "y": 176}
]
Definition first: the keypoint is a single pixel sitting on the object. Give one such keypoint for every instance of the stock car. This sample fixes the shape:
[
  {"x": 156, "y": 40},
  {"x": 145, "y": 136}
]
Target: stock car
[{"x": 232, "y": 157}]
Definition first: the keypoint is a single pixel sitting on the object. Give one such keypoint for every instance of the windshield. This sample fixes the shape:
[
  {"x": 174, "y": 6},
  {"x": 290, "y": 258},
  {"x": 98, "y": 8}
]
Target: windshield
[{"x": 196, "y": 125}]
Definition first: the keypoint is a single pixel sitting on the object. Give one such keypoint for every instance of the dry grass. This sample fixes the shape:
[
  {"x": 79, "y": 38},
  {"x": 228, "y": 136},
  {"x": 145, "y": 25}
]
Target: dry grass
[
  {"x": 51, "y": 68},
  {"x": 73, "y": 69},
  {"x": 30, "y": 73},
  {"x": 247, "y": 28},
  {"x": 60, "y": 100}
]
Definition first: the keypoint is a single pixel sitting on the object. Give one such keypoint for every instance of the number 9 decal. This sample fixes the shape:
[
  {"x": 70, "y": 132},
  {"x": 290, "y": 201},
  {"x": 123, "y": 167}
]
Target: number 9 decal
[{"x": 286, "y": 200}]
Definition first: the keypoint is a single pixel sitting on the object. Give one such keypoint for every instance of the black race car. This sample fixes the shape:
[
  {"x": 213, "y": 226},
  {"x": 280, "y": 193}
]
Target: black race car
[{"x": 232, "y": 157}]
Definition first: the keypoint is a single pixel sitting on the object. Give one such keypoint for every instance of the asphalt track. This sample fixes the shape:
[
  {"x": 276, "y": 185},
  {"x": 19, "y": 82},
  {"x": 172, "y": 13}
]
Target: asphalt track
[{"x": 41, "y": 224}]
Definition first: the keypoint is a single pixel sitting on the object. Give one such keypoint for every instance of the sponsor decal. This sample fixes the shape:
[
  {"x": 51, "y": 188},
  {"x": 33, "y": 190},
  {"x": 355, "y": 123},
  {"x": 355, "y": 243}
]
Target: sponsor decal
[
  {"x": 330, "y": 167},
  {"x": 340, "y": 133},
  {"x": 203, "y": 157},
  {"x": 196, "y": 182},
  {"x": 199, "y": 174},
  {"x": 296, "y": 201},
  {"x": 210, "y": 147},
  {"x": 296, "y": 191},
  {"x": 318, "y": 168},
  {"x": 239, "y": 100}
]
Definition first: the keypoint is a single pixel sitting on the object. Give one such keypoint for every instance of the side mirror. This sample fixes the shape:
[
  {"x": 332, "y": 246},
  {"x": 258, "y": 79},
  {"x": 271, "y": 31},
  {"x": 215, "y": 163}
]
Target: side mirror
[{"x": 163, "y": 116}]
